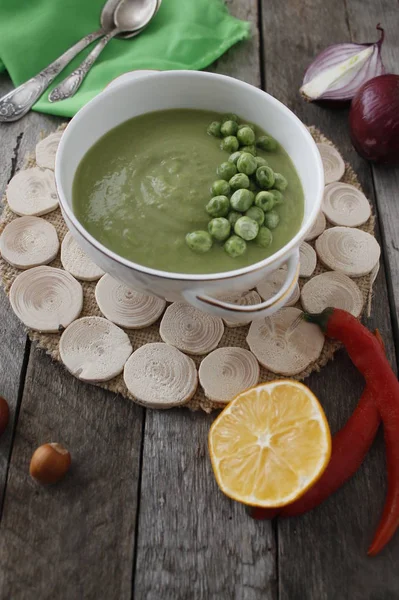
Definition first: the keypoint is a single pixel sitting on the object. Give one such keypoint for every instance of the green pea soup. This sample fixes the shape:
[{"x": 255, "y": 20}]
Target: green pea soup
[{"x": 145, "y": 184}]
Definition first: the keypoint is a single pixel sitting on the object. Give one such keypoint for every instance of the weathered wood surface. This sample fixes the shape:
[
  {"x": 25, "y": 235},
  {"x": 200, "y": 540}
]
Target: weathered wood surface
[
  {"x": 323, "y": 554},
  {"x": 12, "y": 352},
  {"x": 192, "y": 541},
  {"x": 243, "y": 60},
  {"x": 76, "y": 540},
  {"x": 386, "y": 179},
  {"x": 140, "y": 514},
  {"x": 15, "y": 140}
]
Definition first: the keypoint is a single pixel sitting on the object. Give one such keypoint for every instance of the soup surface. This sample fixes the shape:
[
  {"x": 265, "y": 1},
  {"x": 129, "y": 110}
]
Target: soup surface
[{"x": 145, "y": 184}]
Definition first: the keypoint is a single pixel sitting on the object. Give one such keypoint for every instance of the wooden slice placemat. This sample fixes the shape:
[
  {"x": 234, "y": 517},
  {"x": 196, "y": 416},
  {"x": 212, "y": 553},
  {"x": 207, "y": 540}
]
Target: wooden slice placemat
[{"x": 231, "y": 336}]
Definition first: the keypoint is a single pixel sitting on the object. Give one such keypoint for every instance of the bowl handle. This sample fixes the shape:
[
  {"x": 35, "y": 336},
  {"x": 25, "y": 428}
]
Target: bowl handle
[{"x": 226, "y": 310}]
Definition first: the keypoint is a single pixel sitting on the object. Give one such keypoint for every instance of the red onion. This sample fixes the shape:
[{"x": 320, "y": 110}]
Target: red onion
[
  {"x": 339, "y": 71},
  {"x": 374, "y": 119}
]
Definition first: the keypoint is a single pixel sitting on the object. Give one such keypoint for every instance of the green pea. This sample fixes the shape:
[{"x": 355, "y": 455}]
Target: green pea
[
  {"x": 229, "y": 143},
  {"x": 272, "y": 219},
  {"x": 218, "y": 206},
  {"x": 256, "y": 214},
  {"x": 234, "y": 157},
  {"x": 241, "y": 200},
  {"x": 246, "y": 228},
  {"x": 253, "y": 187},
  {"x": 228, "y": 128},
  {"x": 246, "y": 136},
  {"x": 265, "y": 201},
  {"x": 278, "y": 196},
  {"x": 219, "y": 228},
  {"x": 246, "y": 164},
  {"x": 230, "y": 117},
  {"x": 235, "y": 246},
  {"x": 280, "y": 182},
  {"x": 199, "y": 241},
  {"x": 233, "y": 217},
  {"x": 260, "y": 161},
  {"x": 214, "y": 129},
  {"x": 251, "y": 125},
  {"x": 220, "y": 188},
  {"x": 251, "y": 149},
  {"x": 264, "y": 237},
  {"x": 265, "y": 177},
  {"x": 226, "y": 170},
  {"x": 266, "y": 142},
  {"x": 239, "y": 182}
]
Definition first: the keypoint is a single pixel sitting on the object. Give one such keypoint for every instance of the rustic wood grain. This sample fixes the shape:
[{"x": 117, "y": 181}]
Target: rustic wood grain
[
  {"x": 14, "y": 347},
  {"x": 74, "y": 539},
  {"x": 386, "y": 179},
  {"x": 322, "y": 555},
  {"x": 242, "y": 60},
  {"x": 13, "y": 338},
  {"x": 193, "y": 542},
  {"x": 12, "y": 351}
]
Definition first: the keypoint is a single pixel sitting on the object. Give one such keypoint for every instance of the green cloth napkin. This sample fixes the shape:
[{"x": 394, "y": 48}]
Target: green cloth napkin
[{"x": 185, "y": 34}]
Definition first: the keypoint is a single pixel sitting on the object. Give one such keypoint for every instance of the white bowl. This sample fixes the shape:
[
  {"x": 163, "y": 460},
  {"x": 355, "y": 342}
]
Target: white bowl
[{"x": 138, "y": 93}]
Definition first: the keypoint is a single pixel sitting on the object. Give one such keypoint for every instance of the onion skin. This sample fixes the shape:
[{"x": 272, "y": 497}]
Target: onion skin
[
  {"x": 336, "y": 74},
  {"x": 374, "y": 120}
]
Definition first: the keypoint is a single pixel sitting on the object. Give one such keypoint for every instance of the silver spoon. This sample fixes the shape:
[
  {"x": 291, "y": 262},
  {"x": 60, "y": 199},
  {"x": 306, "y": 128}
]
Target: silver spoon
[
  {"x": 129, "y": 16},
  {"x": 19, "y": 101},
  {"x": 107, "y": 19}
]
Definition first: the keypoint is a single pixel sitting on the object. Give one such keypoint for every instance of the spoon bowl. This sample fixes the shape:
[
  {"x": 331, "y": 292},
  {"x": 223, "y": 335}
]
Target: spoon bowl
[
  {"x": 108, "y": 23},
  {"x": 131, "y": 15}
]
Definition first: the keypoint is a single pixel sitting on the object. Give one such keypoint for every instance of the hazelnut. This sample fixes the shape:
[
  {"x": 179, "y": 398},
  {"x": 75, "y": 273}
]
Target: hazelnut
[
  {"x": 4, "y": 415},
  {"x": 50, "y": 463}
]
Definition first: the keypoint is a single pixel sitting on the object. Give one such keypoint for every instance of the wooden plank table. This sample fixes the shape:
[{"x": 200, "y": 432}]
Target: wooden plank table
[{"x": 140, "y": 516}]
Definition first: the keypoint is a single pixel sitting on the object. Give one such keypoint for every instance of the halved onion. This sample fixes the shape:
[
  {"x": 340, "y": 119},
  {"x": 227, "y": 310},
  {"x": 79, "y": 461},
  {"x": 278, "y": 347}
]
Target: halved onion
[{"x": 338, "y": 71}]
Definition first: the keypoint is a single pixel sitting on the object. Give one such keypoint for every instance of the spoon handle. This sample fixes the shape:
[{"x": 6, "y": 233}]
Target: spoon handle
[
  {"x": 17, "y": 103},
  {"x": 70, "y": 85}
]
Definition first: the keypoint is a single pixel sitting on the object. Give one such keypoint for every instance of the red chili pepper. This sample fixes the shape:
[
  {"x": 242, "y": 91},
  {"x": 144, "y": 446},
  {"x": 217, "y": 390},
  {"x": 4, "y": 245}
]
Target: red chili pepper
[
  {"x": 368, "y": 356},
  {"x": 349, "y": 448},
  {"x": 260, "y": 514}
]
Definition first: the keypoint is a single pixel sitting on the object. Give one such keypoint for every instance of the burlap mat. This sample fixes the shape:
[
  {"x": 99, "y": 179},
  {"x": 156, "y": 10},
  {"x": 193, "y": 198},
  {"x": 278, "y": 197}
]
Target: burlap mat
[{"x": 231, "y": 337}]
